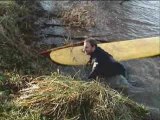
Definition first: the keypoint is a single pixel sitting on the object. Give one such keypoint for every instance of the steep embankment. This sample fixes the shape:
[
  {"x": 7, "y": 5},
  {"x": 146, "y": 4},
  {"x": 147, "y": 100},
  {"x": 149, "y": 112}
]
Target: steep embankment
[
  {"x": 62, "y": 97},
  {"x": 27, "y": 92}
]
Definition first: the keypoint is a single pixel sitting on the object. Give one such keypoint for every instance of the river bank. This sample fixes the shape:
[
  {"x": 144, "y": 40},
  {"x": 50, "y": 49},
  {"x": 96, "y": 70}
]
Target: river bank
[{"x": 21, "y": 66}]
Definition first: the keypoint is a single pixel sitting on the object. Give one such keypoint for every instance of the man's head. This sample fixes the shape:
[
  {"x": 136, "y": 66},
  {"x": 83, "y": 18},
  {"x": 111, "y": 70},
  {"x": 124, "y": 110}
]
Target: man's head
[{"x": 89, "y": 46}]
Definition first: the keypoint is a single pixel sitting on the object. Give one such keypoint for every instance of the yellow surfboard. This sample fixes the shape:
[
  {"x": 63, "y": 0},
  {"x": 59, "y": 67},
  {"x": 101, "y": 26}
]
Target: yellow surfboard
[{"x": 121, "y": 51}]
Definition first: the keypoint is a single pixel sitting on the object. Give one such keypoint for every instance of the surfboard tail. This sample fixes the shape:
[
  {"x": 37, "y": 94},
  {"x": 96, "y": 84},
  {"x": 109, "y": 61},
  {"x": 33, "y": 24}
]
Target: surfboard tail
[{"x": 45, "y": 53}]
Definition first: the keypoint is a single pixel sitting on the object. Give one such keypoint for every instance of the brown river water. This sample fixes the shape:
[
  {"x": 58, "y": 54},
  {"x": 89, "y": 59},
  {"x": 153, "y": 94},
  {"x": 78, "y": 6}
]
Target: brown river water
[{"x": 133, "y": 19}]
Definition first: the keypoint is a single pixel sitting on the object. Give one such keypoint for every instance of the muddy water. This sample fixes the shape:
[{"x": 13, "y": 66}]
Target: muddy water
[{"x": 132, "y": 19}]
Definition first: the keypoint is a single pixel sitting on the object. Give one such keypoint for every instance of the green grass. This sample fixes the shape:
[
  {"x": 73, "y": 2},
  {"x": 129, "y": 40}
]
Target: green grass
[
  {"x": 15, "y": 54},
  {"x": 8, "y": 111}
]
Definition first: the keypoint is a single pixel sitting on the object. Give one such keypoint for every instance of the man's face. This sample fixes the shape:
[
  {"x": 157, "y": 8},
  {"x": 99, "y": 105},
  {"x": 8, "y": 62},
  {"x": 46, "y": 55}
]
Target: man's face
[{"x": 88, "y": 49}]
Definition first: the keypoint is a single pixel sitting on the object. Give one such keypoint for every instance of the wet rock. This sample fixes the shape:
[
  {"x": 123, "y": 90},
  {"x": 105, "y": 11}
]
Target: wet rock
[
  {"x": 52, "y": 7},
  {"x": 54, "y": 42},
  {"x": 54, "y": 22},
  {"x": 123, "y": 1},
  {"x": 52, "y": 31}
]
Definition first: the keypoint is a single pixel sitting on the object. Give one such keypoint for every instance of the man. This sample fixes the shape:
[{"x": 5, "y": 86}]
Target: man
[{"x": 104, "y": 65}]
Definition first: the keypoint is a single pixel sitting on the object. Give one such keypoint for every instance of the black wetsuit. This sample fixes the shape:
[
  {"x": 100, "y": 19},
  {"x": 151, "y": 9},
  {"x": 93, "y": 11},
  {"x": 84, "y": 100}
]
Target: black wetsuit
[{"x": 104, "y": 65}]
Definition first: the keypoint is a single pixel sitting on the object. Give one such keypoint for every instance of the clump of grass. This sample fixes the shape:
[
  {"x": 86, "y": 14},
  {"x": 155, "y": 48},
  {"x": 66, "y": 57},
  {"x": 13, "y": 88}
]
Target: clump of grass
[
  {"x": 78, "y": 16},
  {"x": 15, "y": 53},
  {"x": 12, "y": 44},
  {"x": 12, "y": 82},
  {"x": 61, "y": 97}
]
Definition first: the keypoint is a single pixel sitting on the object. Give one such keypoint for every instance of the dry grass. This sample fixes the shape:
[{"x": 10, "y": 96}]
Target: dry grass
[
  {"x": 79, "y": 16},
  {"x": 61, "y": 98}
]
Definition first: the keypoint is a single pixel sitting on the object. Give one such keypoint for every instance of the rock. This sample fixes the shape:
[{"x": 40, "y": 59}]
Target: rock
[
  {"x": 52, "y": 31},
  {"x": 53, "y": 41},
  {"x": 51, "y": 7}
]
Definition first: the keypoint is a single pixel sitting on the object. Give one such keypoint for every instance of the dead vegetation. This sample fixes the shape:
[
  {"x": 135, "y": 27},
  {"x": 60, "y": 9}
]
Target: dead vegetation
[
  {"x": 79, "y": 16},
  {"x": 61, "y": 98}
]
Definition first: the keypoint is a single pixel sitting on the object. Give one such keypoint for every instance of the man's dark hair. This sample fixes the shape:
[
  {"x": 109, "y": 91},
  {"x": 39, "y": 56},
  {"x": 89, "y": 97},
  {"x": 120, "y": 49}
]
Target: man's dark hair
[{"x": 92, "y": 41}]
